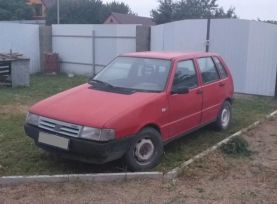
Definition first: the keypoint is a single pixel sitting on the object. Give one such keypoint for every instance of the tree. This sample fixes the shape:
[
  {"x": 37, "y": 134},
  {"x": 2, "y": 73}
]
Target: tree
[
  {"x": 220, "y": 13},
  {"x": 15, "y": 10},
  {"x": 165, "y": 12},
  {"x": 118, "y": 7},
  {"x": 85, "y": 11},
  {"x": 77, "y": 12},
  {"x": 267, "y": 21},
  {"x": 271, "y": 21},
  {"x": 189, "y": 9}
]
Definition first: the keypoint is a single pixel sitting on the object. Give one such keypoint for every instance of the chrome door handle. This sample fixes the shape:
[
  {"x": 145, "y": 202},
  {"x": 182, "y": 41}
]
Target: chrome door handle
[
  {"x": 199, "y": 92},
  {"x": 221, "y": 84}
]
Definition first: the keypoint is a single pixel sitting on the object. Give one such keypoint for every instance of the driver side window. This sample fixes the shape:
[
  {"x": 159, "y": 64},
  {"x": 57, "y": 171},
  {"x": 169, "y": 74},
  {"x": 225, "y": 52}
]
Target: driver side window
[{"x": 185, "y": 76}]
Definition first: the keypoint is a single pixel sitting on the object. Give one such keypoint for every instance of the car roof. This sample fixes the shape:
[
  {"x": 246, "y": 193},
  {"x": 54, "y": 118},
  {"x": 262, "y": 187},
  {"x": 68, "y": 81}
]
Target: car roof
[{"x": 168, "y": 55}]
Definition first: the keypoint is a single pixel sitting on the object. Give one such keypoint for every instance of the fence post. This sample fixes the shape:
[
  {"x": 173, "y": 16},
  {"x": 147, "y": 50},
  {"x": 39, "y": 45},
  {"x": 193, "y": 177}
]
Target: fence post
[
  {"x": 142, "y": 38},
  {"x": 45, "y": 43},
  {"x": 93, "y": 53},
  {"x": 276, "y": 84},
  {"x": 208, "y": 35}
]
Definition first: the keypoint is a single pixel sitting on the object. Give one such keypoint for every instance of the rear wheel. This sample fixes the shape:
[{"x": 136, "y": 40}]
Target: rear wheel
[
  {"x": 146, "y": 150},
  {"x": 224, "y": 117}
]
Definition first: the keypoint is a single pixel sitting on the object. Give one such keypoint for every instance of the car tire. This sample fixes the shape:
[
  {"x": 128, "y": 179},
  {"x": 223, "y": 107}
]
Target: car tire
[
  {"x": 224, "y": 117},
  {"x": 146, "y": 150}
]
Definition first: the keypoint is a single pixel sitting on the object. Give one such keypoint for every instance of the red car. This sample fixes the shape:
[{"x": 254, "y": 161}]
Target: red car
[{"x": 136, "y": 105}]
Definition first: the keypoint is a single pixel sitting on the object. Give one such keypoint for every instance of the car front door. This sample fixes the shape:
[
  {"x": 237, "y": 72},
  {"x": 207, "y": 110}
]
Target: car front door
[
  {"x": 185, "y": 108},
  {"x": 212, "y": 87}
]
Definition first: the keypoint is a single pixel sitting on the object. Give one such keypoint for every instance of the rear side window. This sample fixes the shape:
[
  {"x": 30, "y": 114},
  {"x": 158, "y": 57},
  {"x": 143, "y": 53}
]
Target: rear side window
[
  {"x": 185, "y": 75},
  {"x": 222, "y": 72},
  {"x": 208, "y": 70}
]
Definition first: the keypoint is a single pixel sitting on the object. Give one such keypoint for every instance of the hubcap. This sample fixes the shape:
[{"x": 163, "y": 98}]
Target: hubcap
[
  {"x": 144, "y": 150},
  {"x": 225, "y": 117}
]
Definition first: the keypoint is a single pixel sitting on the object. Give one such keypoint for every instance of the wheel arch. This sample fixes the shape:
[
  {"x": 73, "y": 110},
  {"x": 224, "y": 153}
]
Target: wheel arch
[
  {"x": 153, "y": 126},
  {"x": 230, "y": 100}
]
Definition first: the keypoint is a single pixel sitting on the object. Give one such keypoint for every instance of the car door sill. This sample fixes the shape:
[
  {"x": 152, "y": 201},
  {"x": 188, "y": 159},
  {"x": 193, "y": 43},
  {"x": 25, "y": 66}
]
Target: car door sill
[{"x": 188, "y": 132}]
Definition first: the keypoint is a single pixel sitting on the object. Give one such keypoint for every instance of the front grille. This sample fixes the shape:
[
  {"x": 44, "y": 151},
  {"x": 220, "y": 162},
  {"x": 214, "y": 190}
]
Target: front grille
[{"x": 60, "y": 127}]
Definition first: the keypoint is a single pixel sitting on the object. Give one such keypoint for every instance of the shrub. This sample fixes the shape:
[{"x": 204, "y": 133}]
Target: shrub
[{"x": 238, "y": 146}]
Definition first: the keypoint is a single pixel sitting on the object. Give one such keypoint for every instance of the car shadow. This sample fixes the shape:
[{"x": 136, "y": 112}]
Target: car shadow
[{"x": 206, "y": 136}]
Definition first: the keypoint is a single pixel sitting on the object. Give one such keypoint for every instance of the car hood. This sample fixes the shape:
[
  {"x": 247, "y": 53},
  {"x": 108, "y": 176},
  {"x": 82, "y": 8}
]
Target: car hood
[{"x": 85, "y": 106}]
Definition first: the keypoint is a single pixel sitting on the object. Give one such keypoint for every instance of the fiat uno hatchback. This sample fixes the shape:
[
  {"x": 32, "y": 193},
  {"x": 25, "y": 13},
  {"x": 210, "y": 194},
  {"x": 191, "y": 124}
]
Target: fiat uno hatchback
[{"x": 133, "y": 107}]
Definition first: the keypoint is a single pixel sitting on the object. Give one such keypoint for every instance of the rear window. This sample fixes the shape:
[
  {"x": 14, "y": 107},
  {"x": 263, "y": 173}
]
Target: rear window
[
  {"x": 222, "y": 72},
  {"x": 208, "y": 70}
]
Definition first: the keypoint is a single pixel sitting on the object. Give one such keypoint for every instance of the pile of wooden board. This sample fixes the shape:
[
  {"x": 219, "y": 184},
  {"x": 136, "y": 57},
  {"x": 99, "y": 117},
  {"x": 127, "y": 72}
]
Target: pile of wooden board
[{"x": 10, "y": 56}]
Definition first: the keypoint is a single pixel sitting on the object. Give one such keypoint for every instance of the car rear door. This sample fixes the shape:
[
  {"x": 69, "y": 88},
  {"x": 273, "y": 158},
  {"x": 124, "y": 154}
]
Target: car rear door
[
  {"x": 226, "y": 81},
  {"x": 185, "y": 109},
  {"x": 212, "y": 87}
]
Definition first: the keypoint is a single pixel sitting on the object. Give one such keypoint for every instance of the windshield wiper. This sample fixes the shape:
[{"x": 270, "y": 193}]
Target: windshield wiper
[
  {"x": 102, "y": 85},
  {"x": 95, "y": 81}
]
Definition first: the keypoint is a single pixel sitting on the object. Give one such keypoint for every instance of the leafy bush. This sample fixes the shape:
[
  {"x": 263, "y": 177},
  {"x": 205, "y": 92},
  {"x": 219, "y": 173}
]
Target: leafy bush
[
  {"x": 15, "y": 10},
  {"x": 238, "y": 146}
]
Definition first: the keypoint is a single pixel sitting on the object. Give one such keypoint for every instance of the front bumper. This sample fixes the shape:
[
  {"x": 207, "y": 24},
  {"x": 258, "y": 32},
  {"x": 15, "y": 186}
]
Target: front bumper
[{"x": 84, "y": 150}]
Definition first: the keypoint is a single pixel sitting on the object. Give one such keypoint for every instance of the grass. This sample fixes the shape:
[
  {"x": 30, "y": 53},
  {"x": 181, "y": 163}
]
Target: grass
[
  {"x": 246, "y": 110},
  {"x": 41, "y": 87},
  {"x": 19, "y": 155}
]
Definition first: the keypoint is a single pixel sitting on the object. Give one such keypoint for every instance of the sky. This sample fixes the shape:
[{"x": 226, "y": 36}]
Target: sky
[{"x": 245, "y": 9}]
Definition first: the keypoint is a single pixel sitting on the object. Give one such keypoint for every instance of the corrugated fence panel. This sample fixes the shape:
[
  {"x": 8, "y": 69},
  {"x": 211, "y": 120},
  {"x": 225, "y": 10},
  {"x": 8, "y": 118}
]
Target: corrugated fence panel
[
  {"x": 72, "y": 48},
  {"x": 74, "y": 44},
  {"x": 229, "y": 38},
  {"x": 248, "y": 47},
  {"x": 262, "y": 59},
  {"x": 23, "y": 39},
  {"x": 179, "y": 36}
]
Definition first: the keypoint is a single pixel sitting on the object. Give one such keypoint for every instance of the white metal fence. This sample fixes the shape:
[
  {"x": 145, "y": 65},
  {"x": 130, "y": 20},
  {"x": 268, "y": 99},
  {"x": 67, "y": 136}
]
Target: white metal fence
[
  {"x": 23, "y": 39},
  {"x": 179, "y": 36},
  {"x": 249, "y": 48},
  {"x": 84, "y": 49}
]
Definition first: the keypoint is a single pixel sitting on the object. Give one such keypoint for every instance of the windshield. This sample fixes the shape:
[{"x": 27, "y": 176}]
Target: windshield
[{"x": 136, "y": 73}]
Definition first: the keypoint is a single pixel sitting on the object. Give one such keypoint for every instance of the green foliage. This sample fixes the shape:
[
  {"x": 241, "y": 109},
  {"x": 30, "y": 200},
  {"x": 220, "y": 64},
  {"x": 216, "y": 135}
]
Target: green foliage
[
  {"x": 15, "y": 10},
  {"x": 118, "y": 7},
  {"x": 85, "y": 11},
  {"x": 165, "y": 12},
  {"x": 269, "y": 21},
  {"x": 236, "y": 147},
  {"x": 170, "y": 10}
]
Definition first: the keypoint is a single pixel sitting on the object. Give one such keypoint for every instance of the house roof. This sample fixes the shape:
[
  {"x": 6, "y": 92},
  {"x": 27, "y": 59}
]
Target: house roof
[
  {"x": 132, "y": 19},
  {"x": 49, "y": 3}
]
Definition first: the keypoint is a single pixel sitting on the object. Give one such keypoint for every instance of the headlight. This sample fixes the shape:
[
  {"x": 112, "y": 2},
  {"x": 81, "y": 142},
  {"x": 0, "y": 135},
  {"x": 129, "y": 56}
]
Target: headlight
[
  {"x": 32, "y": 119},
  {"x": 96, "y": 134}
]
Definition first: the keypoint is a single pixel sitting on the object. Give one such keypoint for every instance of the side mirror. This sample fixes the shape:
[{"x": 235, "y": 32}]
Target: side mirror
[{"x": 180, "y": 90}]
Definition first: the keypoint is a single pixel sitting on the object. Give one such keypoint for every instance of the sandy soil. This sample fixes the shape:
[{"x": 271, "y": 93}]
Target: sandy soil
[
  {"x": 215, "y": 179},
  {"x": 14, "y": 109}
]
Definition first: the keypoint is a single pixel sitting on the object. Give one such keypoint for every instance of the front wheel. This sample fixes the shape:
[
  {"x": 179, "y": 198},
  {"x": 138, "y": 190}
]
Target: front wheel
[
  {"x": 146, "y": 150},
  {"x": 224, "y": 117}
]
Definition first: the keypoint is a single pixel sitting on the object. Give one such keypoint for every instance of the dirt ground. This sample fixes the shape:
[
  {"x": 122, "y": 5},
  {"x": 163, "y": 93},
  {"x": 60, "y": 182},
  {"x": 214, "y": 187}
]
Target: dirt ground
[{"x": 215, "y": 179}]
